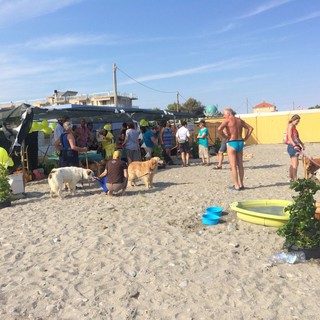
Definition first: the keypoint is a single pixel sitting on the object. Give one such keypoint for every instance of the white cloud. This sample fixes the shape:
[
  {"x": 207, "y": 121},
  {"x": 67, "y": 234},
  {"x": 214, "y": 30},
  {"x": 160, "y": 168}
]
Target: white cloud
[
  {"x": 12, "y": 11},
  {"x": 63, "y": 41},
  {"x": 74, "y": 40},
  {"x": 222, "y": 65},
  {"x": 265, "y": 7},
  {"x": 310, "y": 16},
  {"x": 227, "y": 28}
]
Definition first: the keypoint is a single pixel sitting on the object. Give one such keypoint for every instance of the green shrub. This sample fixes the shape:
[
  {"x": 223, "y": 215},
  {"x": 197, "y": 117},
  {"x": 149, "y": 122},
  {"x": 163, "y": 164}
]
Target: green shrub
[
  {"x": 5, "y": 189},
  {"x": 302, "y": 229}
]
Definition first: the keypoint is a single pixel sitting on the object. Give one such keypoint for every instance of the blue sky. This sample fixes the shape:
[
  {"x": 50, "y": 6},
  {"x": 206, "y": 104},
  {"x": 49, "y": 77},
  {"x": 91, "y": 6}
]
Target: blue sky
[{"x": 221, "y": 52}]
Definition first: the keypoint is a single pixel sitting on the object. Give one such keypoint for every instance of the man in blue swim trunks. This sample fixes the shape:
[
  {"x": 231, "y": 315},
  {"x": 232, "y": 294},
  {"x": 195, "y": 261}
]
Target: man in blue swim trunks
[{"x": 231, "y": 129}]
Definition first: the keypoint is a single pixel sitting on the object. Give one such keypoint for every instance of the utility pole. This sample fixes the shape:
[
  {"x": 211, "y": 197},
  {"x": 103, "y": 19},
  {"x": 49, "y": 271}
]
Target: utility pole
[
  {"x": 115, "y": 85},
  {"x": 177, "y": 101}
]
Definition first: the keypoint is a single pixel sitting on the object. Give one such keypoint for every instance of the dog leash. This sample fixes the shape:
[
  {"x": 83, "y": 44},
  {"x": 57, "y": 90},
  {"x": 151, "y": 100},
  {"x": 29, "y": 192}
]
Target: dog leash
[{"x": 146, "y": 174}]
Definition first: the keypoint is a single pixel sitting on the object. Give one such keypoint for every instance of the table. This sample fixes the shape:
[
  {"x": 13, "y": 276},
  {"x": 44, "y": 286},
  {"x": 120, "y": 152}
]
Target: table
[{"x": 92, "y": 156}]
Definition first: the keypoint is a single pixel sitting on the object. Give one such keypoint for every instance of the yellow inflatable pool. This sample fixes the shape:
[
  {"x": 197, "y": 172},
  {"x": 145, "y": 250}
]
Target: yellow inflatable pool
[{"x": 265, "y": 212}]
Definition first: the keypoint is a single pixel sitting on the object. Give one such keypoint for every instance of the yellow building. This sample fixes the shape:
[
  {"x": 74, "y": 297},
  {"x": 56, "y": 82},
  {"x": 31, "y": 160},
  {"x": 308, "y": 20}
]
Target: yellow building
[{"x": 270, "y": 127}]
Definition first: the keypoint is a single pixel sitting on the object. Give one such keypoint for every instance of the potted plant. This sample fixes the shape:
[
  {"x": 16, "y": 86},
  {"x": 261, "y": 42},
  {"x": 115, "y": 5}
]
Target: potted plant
[
  {"x": 5, "y": 190},
  {"x": 302, "y": 232}
]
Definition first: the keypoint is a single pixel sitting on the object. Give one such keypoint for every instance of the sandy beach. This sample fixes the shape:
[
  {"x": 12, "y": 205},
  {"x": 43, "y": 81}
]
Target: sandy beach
[{"x": 147, "y": 255}]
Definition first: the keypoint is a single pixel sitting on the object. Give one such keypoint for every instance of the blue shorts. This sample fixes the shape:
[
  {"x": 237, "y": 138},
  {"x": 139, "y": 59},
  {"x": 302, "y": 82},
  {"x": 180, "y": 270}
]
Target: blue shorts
[
  {"x": 236, "y": 144},
  {"x": 292, "y": 152}
]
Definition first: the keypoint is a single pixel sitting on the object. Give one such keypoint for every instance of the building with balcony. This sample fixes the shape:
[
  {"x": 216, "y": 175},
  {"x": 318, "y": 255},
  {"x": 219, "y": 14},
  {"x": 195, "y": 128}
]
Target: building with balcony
[{"x": 106, "y": 99}]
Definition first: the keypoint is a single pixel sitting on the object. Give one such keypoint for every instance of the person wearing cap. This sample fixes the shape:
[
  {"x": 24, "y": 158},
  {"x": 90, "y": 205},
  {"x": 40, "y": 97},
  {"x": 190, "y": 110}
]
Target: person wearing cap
[
  {"x": 107, "y": 142},
  {"x": 203, "y": 143},
  {"x": 117, "y": 172}
]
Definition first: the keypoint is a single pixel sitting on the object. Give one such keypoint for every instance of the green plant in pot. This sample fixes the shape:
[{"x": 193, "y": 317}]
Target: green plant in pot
[
  {"x": 302, "y": 232},
  {"x": 5, "y": 190}
]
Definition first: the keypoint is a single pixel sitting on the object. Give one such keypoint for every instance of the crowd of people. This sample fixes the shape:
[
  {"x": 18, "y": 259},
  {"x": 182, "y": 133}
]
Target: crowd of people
[
  {"x": 137, "y": 143},
  {"x": 134, "y": 143}
]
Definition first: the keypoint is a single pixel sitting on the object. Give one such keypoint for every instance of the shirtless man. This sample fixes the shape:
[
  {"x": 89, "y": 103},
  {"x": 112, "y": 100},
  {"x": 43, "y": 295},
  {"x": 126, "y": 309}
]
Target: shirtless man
[{"x": 231, "y": 129}]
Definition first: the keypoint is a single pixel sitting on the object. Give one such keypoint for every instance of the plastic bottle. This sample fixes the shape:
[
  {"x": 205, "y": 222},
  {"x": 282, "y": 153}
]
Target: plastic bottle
[{"x": 288, "y": 257}]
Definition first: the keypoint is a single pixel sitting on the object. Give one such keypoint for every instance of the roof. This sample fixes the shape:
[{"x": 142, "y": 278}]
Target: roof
[
  {"x": 263, "y": 105},
  {"x": 106, "y": 114},
  {"x": 91, "y": 113}
]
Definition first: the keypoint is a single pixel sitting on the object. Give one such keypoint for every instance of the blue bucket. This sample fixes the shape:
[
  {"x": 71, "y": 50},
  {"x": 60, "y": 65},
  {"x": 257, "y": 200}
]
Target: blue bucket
[
  {"x": 216, "y": 211},
  {"x": 210, "y": 219}
]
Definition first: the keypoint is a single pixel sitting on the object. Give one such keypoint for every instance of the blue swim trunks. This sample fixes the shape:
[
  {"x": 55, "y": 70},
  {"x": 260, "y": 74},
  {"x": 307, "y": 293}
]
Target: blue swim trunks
[{"x": 236, "y": 144}]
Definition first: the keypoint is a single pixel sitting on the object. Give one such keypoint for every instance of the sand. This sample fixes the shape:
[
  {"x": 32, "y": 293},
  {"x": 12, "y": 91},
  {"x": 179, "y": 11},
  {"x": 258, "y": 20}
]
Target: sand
[{"x": 147, "y": 255}]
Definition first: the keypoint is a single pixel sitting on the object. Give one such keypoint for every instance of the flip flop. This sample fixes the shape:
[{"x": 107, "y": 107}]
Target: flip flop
[
  {"x": 234, "y": 188},
  {"x": 217, "y": 167},
  {"x": 242, "y": 188}
]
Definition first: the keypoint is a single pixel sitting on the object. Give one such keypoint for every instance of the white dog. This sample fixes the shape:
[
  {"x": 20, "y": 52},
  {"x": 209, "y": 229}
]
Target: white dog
[{"x": 69, "y": 175}]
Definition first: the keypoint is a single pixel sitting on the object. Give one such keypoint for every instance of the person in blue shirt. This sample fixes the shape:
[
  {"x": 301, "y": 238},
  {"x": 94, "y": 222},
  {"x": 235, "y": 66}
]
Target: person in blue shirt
[
  {"x": 150, "y": 140},
  {"x": 203, "y": 135}
]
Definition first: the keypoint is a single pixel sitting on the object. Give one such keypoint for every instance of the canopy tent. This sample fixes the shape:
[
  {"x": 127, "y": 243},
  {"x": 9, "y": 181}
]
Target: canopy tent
[
  {"x": 103, "y": 114},
  {"x": 16, "y": 123},
  {"x": 11, "y": 119}
]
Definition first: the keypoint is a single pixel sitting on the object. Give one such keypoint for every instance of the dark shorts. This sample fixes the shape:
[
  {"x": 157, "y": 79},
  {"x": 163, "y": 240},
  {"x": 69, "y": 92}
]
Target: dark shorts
[
  {"x": 184, "y": 147},
  {"x": 223, "y": 147},
  {"x": 133, "y": 155},
  {"x": 292, "y": 152},
  {"x": 69, "y": 158}
]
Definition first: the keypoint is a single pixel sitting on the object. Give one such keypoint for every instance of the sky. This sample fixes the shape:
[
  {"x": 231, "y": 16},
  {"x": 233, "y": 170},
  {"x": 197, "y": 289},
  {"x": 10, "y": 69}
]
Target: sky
[{"x": 230, "y": 53}]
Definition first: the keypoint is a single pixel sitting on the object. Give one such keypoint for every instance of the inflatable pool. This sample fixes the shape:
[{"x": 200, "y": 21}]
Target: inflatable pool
[{"x": 265, "y": 212}]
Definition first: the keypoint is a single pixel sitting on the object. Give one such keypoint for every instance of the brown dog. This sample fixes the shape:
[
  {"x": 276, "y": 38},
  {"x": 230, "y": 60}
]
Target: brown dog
[
  {"x": 97, "y": 166},
  {"x": 310, "y": 166},
  {"x": 143, "y": 170}
]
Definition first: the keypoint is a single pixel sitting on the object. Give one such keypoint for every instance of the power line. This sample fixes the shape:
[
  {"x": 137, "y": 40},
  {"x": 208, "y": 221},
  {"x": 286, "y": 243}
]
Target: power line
[
  {"x": 161, "y": 91},
  {"x": 182, "y": 97}
]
